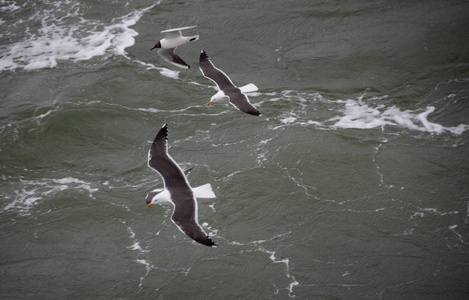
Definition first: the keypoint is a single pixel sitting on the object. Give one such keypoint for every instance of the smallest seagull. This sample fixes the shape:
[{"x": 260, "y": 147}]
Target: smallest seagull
[
  {"x": 226, "y": 89},
  {"x": 168, "y": 45}
]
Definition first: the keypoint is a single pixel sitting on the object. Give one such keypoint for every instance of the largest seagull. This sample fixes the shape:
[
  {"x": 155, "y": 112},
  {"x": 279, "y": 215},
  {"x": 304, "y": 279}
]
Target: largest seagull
[
  {"x": 168, "y": 45},
  {"x": 177, "y": 190},
  {"x": 226, "y": 88}
]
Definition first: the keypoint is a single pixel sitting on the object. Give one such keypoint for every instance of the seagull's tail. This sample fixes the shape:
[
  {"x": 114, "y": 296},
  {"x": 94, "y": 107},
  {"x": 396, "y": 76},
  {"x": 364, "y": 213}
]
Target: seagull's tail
[
  {"x": 251, "y": 87},
  {"x": 203, "y": 191}
]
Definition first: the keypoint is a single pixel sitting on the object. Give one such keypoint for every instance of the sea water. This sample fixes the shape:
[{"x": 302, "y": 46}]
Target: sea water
[{"x": 351, "y": 185}]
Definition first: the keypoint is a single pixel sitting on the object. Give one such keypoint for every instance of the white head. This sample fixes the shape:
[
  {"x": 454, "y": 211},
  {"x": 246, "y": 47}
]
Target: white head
[
  {"x": 218, "y": 97},
  {"x": 153, "y": 197}
]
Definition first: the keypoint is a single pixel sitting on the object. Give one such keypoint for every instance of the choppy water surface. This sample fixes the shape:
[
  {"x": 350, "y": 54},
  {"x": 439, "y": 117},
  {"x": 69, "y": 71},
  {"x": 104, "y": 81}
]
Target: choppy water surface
[{"x": 353, "y": 184}]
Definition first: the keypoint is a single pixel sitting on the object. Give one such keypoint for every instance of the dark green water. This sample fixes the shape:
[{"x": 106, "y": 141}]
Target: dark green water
[{"x": 353, "y": 184}]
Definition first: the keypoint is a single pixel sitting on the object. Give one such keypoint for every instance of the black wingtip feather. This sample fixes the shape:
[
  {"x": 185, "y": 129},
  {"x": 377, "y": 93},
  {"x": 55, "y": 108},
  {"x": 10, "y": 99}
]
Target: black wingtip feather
[
  {"x": 208, "y": 242},
  {"x": 203, "y": 55},
  {"x": 163, "y": 133}
]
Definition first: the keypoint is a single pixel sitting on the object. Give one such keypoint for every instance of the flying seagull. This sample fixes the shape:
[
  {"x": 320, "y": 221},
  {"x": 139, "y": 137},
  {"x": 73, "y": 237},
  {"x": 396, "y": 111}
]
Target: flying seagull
[
  {"x": 168, "y": 45},
  {"x": 177, "y": 190},
  {"x": 226, "y": 89}
]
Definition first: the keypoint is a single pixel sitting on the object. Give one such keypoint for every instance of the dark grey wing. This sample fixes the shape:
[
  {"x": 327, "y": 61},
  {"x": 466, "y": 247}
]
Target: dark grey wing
[
  {"x": 211, "y": 72},
  {"x": 170, "y": 56},
  {"x": 241, "y": 102},
  {"x": 160, "y": 160},
  {"x": 185, "y": 217}
]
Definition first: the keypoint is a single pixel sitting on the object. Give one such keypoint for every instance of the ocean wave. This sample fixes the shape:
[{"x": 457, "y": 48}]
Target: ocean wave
[
  {"x": 65, "y": 34},
  {"x": 358, "y": 113},
  {"x": 362, "y": 116}
]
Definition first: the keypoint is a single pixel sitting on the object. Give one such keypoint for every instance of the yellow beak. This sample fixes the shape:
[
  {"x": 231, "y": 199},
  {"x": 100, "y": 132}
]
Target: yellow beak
[
  {"x": 149, "y": 204},
  {"x": 209, "y": 102}
]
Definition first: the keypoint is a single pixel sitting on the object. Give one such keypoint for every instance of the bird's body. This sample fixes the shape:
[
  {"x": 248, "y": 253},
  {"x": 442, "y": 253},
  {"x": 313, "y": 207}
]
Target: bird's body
[
  {"x": 177, "y": 190},
  {"x": 226, "y": 89},
  {"x": 168, "y": 45}
]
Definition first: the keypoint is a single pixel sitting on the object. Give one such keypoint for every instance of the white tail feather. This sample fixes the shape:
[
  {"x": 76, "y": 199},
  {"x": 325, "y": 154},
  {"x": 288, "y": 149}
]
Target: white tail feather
[
  {"x": 204, "y": 191},
  {"x": 251, "y": 87}
]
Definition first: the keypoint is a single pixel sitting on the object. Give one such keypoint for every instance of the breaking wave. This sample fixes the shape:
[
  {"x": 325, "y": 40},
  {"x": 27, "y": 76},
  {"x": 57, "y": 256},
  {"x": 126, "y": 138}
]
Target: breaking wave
[{"x": 59, "y": 31}]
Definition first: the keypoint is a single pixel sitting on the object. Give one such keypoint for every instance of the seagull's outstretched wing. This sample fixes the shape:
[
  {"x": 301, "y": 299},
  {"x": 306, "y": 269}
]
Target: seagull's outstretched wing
[
  {"x": 185, "y": 218},
  {"x": 177, "y": 30},
  {"x": 241, "y": 102},
  {"x": 213, "y": 73},
  {"x": 170, "y": 56}
]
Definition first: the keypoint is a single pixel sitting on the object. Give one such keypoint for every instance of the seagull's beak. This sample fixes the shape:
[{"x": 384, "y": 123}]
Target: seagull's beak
[
  {"x": 149, "y": 204},
  {"x": 209, "y": 102}
]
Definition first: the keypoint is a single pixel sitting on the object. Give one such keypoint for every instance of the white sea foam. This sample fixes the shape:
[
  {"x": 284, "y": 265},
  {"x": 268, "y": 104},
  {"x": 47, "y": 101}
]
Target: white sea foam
[
  {"x": 430, "y": 211},
  {"x": 453, "y": 229},
  {"x": 360, "y": 113},
  {"x": 273, "y": 258},
  {"x": 163, "y": 71},
  {"x": 363, "y": 116},
  {"x": 141, "y": 260},
  {"x": 32, "y": 192},
  {"x": 212, "y": 232},
  {"x": 435, "y": 211},
  {"x": 212, "y": 206},
  {"x": 60, "y": 39},
  {"x": 288, "y": 120},
  {"x": 136, "y": 244},
  {"x": 80, "y": 184},
  {"x": 148, "y": 267},
  {"x": 8, "y": 6},
  {"x": 298, "y": 181},
  {"x": 262, "y": 151},
  {"x": 136, "y": 247},
  {"x": 285, "y": 261}
]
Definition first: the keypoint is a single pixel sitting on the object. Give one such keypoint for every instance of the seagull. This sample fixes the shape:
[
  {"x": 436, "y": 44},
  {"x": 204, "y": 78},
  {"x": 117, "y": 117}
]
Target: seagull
[
  {"x": 226, "y": 89},
  {"x": 168, "y": 45},
  {"x": 177, "y": 190}
]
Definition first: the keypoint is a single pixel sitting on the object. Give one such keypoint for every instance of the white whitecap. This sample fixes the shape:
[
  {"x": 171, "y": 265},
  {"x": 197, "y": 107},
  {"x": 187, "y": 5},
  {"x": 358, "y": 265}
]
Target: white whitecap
[
  {"x": 288, "y": 120},
  {"x": 61, "y": 40},
  {"x": 363, "y": 116}
]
